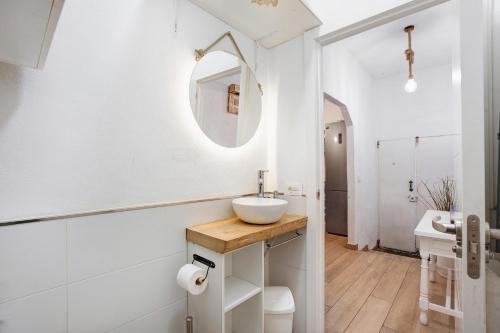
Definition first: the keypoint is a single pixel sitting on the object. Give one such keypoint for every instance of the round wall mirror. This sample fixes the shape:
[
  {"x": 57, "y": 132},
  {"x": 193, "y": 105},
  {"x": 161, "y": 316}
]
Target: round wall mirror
[{"x": 225, "y": 99}]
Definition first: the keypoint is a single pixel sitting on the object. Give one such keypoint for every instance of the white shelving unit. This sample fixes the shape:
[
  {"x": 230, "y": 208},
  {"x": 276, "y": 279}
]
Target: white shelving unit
[
  {"x": 238, "y": 291},
  {"x": 233, "y": 301}
]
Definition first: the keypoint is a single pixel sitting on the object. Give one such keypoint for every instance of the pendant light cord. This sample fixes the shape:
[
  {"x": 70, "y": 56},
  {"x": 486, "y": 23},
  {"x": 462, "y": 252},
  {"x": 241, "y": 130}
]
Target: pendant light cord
[{"x": 410, "y": 54}]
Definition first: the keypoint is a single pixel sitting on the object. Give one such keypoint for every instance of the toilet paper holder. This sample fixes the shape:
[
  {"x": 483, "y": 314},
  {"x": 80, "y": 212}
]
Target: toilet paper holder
[{"x": 204, "y": 261}]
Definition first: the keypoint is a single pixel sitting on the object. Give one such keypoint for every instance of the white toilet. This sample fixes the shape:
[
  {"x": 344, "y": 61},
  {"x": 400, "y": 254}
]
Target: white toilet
[{"x": 278, "y": 310}]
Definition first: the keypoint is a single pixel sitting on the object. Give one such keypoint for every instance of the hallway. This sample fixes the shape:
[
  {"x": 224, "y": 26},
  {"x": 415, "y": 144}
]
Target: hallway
[{"x": 369, "y": 291}]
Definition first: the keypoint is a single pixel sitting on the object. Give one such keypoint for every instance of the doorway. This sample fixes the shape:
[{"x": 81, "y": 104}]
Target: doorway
[
  {"x": 402, "y": 138},
  {"x": 339, "y": 169}
]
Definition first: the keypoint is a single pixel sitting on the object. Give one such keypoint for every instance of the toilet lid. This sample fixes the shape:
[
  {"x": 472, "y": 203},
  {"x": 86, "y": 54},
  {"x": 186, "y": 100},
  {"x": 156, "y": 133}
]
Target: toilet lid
[{"x": 278, "y": 300}]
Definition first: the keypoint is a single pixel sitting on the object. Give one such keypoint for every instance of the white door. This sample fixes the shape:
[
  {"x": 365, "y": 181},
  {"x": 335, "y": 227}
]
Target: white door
[
  {"x": 471, "y": 99},
  {"x": 397, "y": 212}
]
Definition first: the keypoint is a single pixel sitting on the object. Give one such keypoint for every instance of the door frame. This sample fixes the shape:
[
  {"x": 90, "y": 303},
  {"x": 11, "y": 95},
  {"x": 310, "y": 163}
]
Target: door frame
[
  {"x": 351, "y": 221},
  {"x": 314, "y": 41}
]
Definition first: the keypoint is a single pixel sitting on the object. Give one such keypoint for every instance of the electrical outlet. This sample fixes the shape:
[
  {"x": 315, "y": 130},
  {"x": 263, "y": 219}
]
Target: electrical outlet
[{"x": 294, "y": 189}]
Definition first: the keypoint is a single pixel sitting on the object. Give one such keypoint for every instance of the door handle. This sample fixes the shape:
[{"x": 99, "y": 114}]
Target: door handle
[
  {"x": 410, "y": 183},
  {"x": 454, "y": 228},
  {"x": 447, "y": 228}
]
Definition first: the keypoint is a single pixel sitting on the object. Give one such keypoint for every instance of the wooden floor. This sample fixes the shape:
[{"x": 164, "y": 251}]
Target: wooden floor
[{"x": 369, "y": 291}]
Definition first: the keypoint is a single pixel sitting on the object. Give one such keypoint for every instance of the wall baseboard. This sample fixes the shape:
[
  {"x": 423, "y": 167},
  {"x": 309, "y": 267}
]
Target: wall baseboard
[{"x": 352, "y": 246}]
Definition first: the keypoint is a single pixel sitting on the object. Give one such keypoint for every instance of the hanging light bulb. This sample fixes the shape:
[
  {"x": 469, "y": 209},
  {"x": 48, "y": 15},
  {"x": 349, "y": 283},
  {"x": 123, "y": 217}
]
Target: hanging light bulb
[{"x": 411, "y": 84}]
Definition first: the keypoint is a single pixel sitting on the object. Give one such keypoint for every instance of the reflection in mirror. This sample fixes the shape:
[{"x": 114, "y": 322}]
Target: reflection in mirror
[{"x": 225, "y": 99}]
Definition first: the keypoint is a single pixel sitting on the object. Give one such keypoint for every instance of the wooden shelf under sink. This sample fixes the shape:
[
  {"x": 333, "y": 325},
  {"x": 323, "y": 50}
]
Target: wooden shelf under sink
[{"x": 231, "y": 234}]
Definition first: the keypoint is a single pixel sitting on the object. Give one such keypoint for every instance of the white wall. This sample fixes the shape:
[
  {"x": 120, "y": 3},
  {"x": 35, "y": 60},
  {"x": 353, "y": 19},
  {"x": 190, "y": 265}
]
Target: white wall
[
  {"x": 426, "y": 112},
  {"x": 347, "y": 81},
  {"x": 108, "y": 122},
  {"x": 287, "y": 84}
]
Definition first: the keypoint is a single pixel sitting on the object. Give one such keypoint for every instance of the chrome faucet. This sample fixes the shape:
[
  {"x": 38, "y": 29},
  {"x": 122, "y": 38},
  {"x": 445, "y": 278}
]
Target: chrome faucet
[{"x": 261, "y": 183}]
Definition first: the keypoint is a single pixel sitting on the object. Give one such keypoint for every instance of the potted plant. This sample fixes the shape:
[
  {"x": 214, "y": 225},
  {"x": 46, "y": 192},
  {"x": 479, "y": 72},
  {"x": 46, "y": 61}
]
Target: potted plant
[{"x": 440, "y": 195}]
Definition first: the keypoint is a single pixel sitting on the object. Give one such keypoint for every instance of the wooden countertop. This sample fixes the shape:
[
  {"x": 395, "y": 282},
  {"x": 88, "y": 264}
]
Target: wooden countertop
[{"x": 231, "y": 234}]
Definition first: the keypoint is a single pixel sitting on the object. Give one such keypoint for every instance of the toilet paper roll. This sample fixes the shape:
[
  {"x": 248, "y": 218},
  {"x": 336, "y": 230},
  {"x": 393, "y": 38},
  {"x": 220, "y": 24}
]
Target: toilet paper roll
[{"x": 187, "y": 276}]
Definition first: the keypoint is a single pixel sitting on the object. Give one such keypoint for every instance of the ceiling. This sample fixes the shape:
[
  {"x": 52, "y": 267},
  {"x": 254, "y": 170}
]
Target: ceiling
[
  {"x": 381, "y": 50},
  {"x": 268, "y": 25}
]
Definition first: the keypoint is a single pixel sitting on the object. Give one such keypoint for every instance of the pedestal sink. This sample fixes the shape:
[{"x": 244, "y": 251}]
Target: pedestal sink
[{"x": 258, "y": 210}]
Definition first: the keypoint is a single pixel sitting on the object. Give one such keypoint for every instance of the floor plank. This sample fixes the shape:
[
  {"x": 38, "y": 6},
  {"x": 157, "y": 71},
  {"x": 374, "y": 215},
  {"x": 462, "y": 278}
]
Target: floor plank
[
  {"x": 404, "y": 309},
  {"x": 369, "y": 291},
  {"x": 370, "y": 317},
  {"x": 343, "y": 312},
  {"x": 333, "y": 269},
  {"x": 391, "y": 281},
  {"x": 336, "y": 288},
  {"x": 334, "y": 247}
]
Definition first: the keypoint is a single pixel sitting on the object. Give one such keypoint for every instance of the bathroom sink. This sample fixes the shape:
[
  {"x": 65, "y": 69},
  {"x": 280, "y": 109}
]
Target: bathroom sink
[{"x": 257, "y": 210}]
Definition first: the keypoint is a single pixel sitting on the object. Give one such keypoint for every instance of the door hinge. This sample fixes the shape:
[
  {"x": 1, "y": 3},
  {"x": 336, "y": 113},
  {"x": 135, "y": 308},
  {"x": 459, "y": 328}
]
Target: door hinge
[{"x": 318, "y": 195}]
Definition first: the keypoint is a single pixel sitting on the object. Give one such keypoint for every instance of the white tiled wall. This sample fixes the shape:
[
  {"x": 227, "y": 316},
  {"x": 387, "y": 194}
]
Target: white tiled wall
[
  {"x": 103, "y": 273},
  {"x": 168, "y": 319},
  {"x": 41, "y": 312},
  {"x": 32, "y": 258}
]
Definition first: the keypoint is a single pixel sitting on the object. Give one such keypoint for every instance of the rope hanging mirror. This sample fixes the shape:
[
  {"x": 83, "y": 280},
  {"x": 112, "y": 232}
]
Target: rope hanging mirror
[{"x": 200, "y": 53}]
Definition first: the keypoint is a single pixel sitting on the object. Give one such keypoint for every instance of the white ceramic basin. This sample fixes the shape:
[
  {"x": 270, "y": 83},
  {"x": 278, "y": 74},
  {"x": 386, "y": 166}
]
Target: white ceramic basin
[{"x": 259, "y": 210}]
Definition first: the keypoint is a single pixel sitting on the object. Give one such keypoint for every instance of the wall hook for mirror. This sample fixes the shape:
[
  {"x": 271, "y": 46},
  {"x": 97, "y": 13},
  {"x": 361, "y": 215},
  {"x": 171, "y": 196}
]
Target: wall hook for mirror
[{"x": 200, "y": 53}]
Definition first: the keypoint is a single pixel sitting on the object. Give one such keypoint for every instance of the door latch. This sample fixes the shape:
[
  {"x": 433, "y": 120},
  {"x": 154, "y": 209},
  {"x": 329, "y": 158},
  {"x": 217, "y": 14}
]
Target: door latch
[{"x": 473, "y": 247}]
